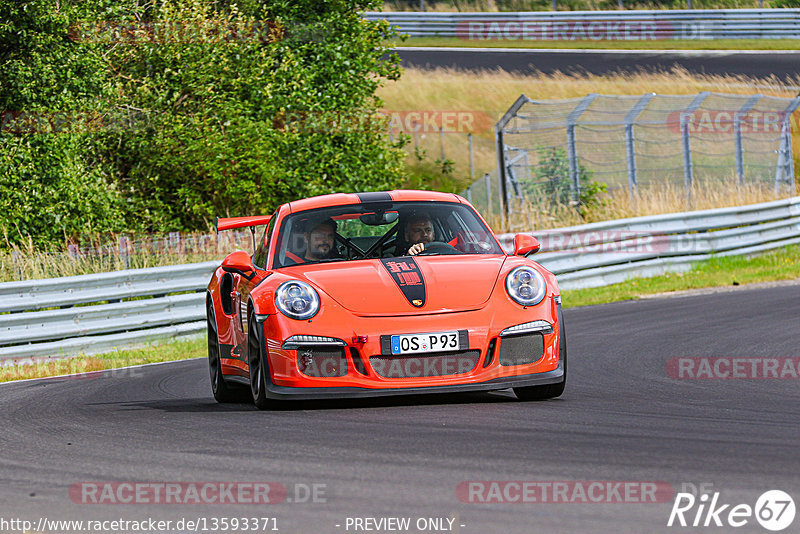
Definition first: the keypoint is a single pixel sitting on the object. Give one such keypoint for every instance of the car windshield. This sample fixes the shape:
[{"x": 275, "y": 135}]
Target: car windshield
[{"x": 384, "y": 230}]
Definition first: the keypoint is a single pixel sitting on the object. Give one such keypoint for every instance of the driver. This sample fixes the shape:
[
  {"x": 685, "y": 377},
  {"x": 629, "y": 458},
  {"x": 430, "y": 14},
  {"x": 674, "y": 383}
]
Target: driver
[
  {"x": 320, "y": 238},
  {"x": 419, "y": 232}
]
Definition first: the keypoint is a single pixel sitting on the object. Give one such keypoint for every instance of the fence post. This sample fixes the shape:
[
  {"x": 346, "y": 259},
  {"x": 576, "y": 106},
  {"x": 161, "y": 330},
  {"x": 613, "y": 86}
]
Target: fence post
[
  {"x": 501, "y": 171},
  {"x": 784, "y": 159},
  {"x": 572, "y": 152},
  {"x": 441, "y": 140},
  {"x": 488, "y": 179},
  {"x": 501, "y": 149},
  {"x": 630, "y": 118},
  {"x": 123, "y": 251},
  {"x": 785, "y": 171},
  {"x": 737, "y": 133},
  {"x": 471, "y": 166},
  {"x": 17, "y": 268},
  {"x": 688, "y": 174}
]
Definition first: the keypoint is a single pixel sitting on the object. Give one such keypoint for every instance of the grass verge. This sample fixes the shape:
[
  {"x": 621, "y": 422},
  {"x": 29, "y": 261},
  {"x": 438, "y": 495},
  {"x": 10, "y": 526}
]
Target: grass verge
[
  {"x": 780, "y": 264},
  {"x": 671, "y": 44},
  {"x": 89, "y": 367}
]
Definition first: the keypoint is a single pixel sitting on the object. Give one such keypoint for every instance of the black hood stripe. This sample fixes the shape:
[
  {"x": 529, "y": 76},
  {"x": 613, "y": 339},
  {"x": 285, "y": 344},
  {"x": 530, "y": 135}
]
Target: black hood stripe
[{"x": 408, "y": 277}]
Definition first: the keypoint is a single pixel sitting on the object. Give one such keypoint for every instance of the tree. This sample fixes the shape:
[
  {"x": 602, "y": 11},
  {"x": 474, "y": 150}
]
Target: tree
[
  {"x": 175, "y": 111},
  {"x": 254, "y": 107},
  {"x": 50, "y": 184},
  {"x": 553, "y": 175}
]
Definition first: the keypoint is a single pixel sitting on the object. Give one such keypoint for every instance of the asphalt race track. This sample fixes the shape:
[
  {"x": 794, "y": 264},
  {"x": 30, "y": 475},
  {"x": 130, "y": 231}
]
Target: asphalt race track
[
  {"x": 622, "y": 418},
  {"x": 785, "y": 65}
]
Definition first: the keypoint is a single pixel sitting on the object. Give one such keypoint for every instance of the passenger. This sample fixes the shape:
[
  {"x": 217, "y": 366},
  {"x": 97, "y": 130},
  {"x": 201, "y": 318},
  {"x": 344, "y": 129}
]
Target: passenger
[{"x": 320, "y": 242}]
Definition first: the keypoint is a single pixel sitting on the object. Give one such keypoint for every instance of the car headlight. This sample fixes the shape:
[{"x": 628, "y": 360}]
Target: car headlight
[
  {"x": 297, "y": 300},
  {"x": 525, "y": 286}
]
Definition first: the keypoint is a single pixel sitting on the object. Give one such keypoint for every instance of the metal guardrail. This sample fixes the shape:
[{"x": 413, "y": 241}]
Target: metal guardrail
[
  {"x": 33, "y": 329},
  {"x": 604, "y": 253},
  {"x": 582, "y": 256},
  {"x": 72, "y": 290},
  {"x": 599, "y": 25}
]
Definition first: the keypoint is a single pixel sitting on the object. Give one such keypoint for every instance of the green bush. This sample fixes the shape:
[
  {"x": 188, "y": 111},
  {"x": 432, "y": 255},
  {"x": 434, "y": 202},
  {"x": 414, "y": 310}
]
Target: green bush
[
  {"x": 193, "y": 95},
  {"x": 51, "y": 184},
  {"x": 794, "y": 4},
  {"x": 552, "y": 183}
]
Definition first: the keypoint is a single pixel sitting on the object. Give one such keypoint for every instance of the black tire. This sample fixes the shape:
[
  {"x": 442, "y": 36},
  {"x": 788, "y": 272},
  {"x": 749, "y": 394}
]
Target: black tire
[
  {"x": 549, "y": 391},
  {"x": 259, "y": 368},
  {"x": 223, "y": 391}
]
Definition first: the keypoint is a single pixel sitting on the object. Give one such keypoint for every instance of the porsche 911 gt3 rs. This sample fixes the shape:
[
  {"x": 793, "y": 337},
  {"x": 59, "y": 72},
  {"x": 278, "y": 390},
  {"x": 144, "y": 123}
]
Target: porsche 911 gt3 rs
[{"x": 381, "y": 293}]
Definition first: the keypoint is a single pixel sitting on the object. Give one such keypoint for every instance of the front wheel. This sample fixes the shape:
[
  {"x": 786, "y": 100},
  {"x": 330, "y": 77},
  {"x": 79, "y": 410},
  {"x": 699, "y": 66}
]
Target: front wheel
[
  {"x": 223, "y": 392},
  {"x": 259, "y": 367},
  {"x": 549, "y": 391}
]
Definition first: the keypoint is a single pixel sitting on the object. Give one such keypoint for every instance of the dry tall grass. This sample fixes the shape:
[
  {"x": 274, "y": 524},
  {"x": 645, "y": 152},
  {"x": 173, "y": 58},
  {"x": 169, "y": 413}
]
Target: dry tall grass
[
  {"x": 492, "y": 93},
  {"x": 618, "y": 204},
  {"x": 26, "y": 262}
]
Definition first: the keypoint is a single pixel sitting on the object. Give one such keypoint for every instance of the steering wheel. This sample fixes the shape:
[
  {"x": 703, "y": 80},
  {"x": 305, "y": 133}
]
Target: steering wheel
[{"x": 438, "y": 247}]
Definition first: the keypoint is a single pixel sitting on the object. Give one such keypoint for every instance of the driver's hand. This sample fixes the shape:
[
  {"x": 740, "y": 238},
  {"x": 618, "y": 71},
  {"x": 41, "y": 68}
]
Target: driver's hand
[{"x": 416, "y": 249}]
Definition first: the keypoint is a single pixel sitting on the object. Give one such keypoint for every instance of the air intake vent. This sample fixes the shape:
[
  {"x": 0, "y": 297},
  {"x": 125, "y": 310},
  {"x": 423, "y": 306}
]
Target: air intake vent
[
  {"x": 357, "y": 361},
  {"x": 490, "y": 352},
  {"x": 519, "y": 350},
  {"x": 416, "y": 366},
  {"x": 321, "y": 362}
]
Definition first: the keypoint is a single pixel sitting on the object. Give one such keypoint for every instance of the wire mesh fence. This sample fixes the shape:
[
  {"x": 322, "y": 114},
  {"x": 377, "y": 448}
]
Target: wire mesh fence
[{"x": 555, "y": 150}]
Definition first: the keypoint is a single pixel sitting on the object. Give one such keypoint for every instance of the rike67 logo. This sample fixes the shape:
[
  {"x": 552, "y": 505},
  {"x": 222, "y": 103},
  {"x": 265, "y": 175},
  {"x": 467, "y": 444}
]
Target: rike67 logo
[{"x": 774, "y": 510}]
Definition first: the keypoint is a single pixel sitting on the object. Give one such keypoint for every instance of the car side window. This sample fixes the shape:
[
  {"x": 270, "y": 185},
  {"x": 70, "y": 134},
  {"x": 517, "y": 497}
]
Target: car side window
[{"x": 260, "y": 257}]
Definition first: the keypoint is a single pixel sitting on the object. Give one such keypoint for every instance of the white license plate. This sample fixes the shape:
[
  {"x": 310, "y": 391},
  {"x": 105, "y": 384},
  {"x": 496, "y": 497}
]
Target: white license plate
[{"x": 416, "y": 343}]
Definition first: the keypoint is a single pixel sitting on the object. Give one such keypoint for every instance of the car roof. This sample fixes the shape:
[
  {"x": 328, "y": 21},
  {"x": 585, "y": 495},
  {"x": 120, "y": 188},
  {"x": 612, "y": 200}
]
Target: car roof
[{"x": 399, "y": 195}]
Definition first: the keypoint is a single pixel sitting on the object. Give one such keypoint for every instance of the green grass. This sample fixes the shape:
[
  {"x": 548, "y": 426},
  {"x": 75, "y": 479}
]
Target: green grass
[
  {"x": 721, "y": 44},
  {"x": 87, "y": 367},
  {"x": 781, "y": 264}
]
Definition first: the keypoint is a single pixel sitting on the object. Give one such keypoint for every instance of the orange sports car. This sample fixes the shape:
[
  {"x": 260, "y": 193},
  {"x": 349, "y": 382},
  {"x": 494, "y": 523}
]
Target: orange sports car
[{"x": 382, "y": 293}]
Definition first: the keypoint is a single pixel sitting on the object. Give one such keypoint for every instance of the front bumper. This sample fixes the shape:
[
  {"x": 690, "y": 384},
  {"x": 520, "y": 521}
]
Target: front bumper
[
  {"x": 485, "y": 329},
  {"x": 307, "y": 393}
]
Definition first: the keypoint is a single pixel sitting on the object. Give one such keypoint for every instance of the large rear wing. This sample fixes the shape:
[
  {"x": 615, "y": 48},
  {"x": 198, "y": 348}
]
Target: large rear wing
[{"x": 230, "y": 223}]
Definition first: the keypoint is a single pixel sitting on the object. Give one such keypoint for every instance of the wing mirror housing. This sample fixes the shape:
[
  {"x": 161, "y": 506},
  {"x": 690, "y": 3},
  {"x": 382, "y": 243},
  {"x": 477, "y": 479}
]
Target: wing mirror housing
[
  {"x": 239, "y": 262},
  {"x": 525, "y": 244}
]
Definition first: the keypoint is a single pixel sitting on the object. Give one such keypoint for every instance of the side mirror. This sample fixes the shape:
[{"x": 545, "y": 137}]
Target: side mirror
[
  {"x": 525, "y": 244},
  {"x": 239, "y": 262}
]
